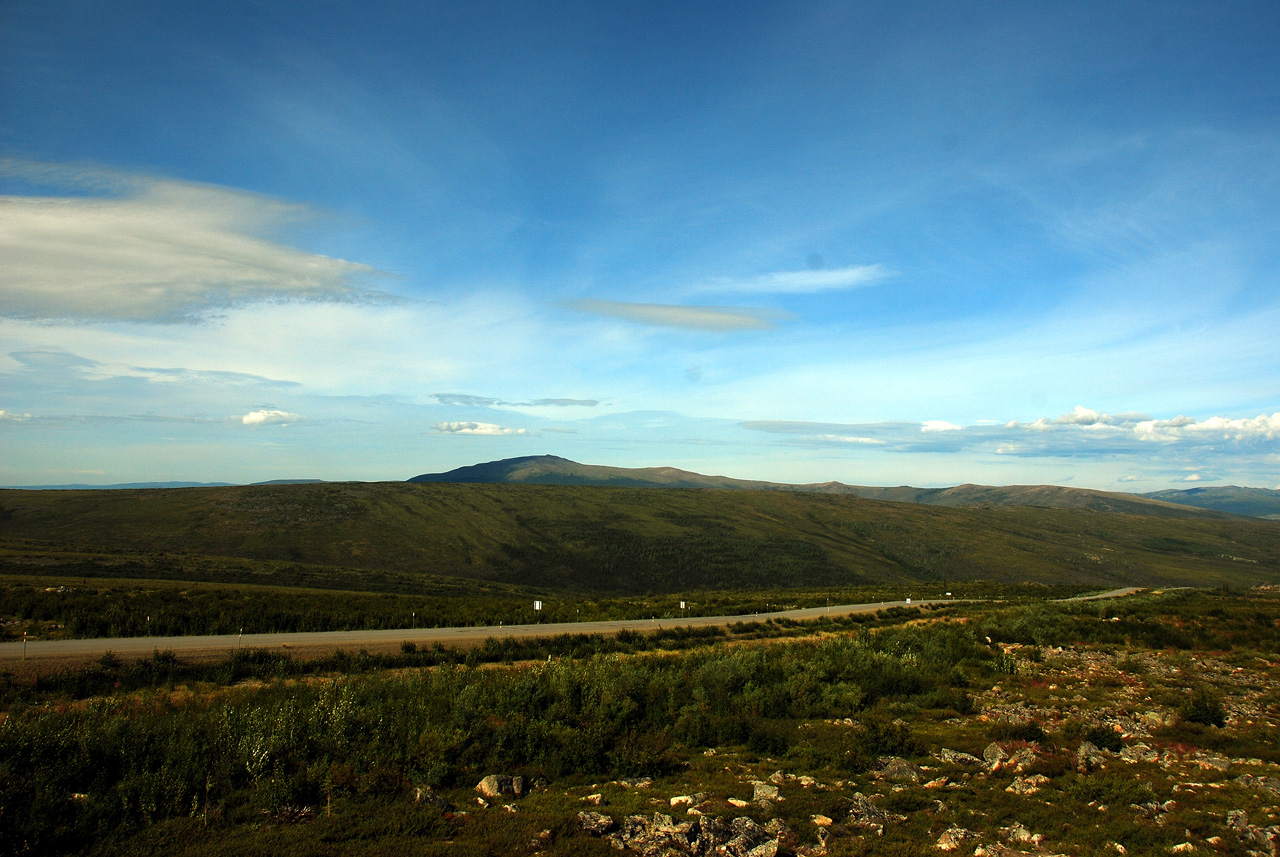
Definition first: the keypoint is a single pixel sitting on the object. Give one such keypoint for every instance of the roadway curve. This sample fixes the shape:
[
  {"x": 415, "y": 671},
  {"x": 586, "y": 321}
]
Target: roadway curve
[{"x": 44, "y": 654}]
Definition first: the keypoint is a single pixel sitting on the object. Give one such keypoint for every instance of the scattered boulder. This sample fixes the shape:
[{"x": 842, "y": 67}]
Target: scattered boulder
[
  {"x": 1027, "y": 785},
  {"x": 1153, "y": 809},
  {"x": 497, "y": 785},
  {"x": 1212, "y": 761},
  {"x": 994, "y": 756},
  {"x": 657, "y": 835},
  {"x": 426, "y": 795},
  {"x": 897, "y": 770},
  {"x": 595, "y": 823},
  {"x": 764, "y": 792},
  {"x": 1265, "y": 837},
  {"x": 955, "y": 757},
  {"x": 750, "y": 840},
  {"x": 954, "y": 838},
  {"x": 662, "y": 836},
  {"x": 865, "y": 814},
  {"x": 1139, "y": 753},
  {"x": 634, "y": 782},
  {"x": 1017, "y": 832},
  {"x": 1089, "y": 757},
  {"x": 1020, "y": 760}
]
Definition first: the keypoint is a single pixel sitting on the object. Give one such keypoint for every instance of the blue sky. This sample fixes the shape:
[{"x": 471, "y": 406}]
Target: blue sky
[{"x": 882, "y": 243}]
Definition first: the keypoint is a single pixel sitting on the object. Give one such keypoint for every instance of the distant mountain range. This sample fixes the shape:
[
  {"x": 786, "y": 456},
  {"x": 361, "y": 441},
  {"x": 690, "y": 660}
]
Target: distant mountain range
[
  {"x": 1253, "y": 502},
  {"x": 1197, "y": 502}
]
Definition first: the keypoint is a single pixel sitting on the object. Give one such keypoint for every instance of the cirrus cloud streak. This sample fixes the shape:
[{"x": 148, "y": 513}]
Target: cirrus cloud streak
[
  {"x": 804, "y": 282},
  {"x": 711, "y": 318},
  {"x": 155, "y": 250}
]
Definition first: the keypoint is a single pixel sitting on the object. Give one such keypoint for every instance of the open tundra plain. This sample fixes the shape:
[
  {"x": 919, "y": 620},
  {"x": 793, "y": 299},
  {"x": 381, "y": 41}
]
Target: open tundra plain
[{"x": 1018, "y": 716}]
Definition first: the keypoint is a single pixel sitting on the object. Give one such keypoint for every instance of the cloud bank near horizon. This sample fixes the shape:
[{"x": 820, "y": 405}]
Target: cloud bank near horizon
[{"x": 1082, "y": 432}]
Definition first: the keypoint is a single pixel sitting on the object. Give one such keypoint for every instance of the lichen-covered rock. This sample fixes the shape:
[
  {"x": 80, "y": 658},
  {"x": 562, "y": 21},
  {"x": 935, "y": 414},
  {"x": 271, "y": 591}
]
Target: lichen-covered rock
[
  {"x": 595, "y": 823},
  {"x": 1089, "y": 757},
  {"x": 866, "y": 815},
  {"x": 1139, "y": 753},
  {"x": 955, "y": 757},
  {"x": 994, "y": 756},
  {"x": 764, "y": 791},
  {"x": 497, "y": 785},
  {"x": 1018, "y": 832},
  {"x": 954, "y": 838},
  {"x": 898, "y": 770},
  {"x": 1027, "y": 785}
]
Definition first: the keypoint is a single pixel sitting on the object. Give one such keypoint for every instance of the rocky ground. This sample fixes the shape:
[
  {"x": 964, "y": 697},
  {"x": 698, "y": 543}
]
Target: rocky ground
[{"x": 1079, "y": 752}]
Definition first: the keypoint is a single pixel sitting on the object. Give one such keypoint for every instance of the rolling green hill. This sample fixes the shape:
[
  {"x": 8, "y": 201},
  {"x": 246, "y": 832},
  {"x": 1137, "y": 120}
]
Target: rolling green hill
[{"x": 616, "y": 540}]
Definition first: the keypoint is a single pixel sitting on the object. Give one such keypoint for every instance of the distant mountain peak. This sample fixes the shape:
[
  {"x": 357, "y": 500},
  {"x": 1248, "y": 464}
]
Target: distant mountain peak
[{"x": 554, "y": 470}]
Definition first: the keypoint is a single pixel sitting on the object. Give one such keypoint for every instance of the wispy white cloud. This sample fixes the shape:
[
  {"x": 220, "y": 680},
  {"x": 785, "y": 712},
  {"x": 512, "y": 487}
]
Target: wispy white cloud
[
  {"x": 269, "y": 417},
  {"x": 939, "y": 425},
  {"x": 155, "y": 250},
  {"x": 467, "y": 400},
  {"x": 840, "y": 438},
  {"x": 804, "y": 282},
  {"x": 476, "y": 428},
  {"x": 5, "y": 416},
  {"x": 712, "y": 318}
]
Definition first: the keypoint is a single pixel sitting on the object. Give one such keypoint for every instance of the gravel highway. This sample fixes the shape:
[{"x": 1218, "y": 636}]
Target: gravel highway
[{"x": 53, "y": 653}]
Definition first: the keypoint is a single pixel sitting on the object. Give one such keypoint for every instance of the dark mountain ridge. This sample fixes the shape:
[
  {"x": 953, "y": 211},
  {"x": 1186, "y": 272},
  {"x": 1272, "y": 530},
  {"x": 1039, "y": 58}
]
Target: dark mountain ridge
[{"x": 554, "y": 470}]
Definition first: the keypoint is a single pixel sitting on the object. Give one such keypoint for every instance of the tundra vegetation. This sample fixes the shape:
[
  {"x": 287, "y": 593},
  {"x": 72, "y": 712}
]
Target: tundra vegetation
[
  {"x": 1040, "y": 727},
  {"x": 1017, "y": 724}
]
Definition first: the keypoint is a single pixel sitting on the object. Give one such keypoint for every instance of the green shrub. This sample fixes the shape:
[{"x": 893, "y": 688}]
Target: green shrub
[
  {"x": 1104, "y": 738},
  {"x": 770, "y": 738},
  {"x": 1204, "y": 707}
]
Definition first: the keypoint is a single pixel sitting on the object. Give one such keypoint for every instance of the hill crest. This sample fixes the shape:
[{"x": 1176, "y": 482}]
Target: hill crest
[{"x": 555, "y": 470}]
